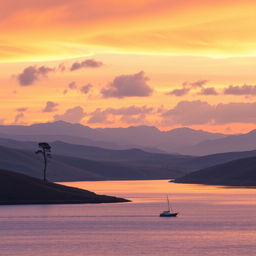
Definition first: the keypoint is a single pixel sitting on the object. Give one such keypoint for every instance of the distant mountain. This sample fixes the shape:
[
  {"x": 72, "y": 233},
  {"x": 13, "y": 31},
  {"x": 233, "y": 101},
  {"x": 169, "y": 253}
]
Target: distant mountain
[
  {"x": 144, "y": 137},
  {"x": 240, "y": 172},
  {"x": 65, "y": 168},
  {"x": 16, "y": 188},
  {"x": 232, "y": 143},
  {"x": 169, "y": 141}
]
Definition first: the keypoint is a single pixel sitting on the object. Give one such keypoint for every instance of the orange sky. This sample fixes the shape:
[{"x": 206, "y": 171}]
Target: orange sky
[{"x": 172, "y": 42}]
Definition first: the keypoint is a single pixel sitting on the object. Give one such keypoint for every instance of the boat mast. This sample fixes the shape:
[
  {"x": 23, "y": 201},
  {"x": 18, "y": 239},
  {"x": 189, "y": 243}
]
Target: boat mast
[
  {"x": 169, "y": 207},
  {"x": 168, "y": 203}
]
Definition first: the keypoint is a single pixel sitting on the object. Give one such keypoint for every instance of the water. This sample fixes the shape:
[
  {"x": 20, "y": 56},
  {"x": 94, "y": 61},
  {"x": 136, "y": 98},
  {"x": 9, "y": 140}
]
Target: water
[{"x": 213, "y": 221}]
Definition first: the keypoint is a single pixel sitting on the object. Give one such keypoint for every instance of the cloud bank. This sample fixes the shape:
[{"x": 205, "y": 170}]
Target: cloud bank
[
  {"x": 200, "y": 112},
  {"x": 240, "y": 90}
]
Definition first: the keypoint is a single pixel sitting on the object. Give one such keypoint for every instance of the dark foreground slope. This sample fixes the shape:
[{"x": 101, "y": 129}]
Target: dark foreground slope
[
  {"x": 17, "y": 188},
  {"x": 240, "y": 172}
]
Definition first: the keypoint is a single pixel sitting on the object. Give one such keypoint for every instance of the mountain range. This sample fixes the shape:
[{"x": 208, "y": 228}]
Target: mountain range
[
  {"x": 82, "y": 153},
  {"x": 181, "y": 140}
]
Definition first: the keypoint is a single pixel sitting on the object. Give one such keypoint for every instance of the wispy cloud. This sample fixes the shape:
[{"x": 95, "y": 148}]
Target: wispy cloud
[
  {"x": 187, "y": 87},
  {"x": 20, "y": 115},
  {"x": 90, "y": 63}
]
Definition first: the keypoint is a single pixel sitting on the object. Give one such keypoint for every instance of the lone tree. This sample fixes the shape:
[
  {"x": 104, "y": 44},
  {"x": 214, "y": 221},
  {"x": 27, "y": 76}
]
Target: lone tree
[{"x": 45, "y": 150}]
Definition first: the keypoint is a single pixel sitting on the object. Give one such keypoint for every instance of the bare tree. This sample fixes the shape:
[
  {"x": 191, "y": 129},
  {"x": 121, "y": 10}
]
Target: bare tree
[{"x": 45, "y": 150}]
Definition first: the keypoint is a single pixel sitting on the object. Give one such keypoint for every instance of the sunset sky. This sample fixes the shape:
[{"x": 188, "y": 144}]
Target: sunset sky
[{"x": 106, "y": 63}]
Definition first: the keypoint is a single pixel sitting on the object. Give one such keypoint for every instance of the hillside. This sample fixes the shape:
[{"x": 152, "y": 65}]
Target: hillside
[
  {"x": 17, "y": 188},
  {"x": 94, "y": 163},
  {"x": 64, "y": 168},
  {"x": 133, "y": 156},
  {"x": 240, "y": 172}
]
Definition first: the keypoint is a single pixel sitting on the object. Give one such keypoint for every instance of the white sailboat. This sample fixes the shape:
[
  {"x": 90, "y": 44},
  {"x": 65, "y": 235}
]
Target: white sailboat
[{"x": 169, "y": 212}]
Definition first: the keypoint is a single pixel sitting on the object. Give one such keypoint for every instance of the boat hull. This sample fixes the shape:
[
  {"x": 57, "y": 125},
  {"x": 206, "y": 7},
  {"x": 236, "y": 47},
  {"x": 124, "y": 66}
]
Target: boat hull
[{"x": 168, "y": 214}]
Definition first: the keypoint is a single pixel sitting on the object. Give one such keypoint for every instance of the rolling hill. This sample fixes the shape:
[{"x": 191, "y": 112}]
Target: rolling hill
[
  {"x": 65, "y": 168},
  {"x": 132, "y": 156},
  {"x": 94, "y": 163}
]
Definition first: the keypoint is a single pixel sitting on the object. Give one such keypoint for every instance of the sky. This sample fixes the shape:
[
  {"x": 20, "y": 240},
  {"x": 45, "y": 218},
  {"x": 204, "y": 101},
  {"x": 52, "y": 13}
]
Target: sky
[{"x": 106, "y": 63}]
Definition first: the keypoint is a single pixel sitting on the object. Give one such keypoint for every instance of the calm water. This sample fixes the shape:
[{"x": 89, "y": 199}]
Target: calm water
[{"x": 213, "y": 221}]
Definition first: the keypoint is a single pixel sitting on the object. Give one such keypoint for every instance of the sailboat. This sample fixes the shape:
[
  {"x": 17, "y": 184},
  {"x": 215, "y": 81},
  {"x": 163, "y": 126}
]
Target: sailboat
[{"x": 169, "y": 212}]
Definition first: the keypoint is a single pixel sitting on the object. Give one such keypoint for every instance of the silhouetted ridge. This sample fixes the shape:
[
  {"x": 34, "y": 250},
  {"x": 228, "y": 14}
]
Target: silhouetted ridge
[{"x": 240, "y": 172}]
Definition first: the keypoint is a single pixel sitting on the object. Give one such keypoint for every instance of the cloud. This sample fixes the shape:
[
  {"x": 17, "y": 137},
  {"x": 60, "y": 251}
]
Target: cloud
[
  {"x": 99, "y": 116},
  {"x": 72, "y": 85},
  {"x": 196, "y": 84},
  {"x": 179, "y": 92},
  {"x": 199, "y": 112},
  {"x": 208, "y": 91},
  {"x": 32, "y": 73},
  {"x": 90, "y": 63},
  {"x": 21, "y": 109},
  {"x": 132, "y": 114},
  {"x": 19, "y": 116},
  {"x": 85, "y": 89},
  {"x": 240, "y": 90},
  {"x": 72, "y": 115},
  {"x": 187, "y": 87},
  {"x": 133, "y": 85},
  {"x": 189, "y": 112},
  {"x": 61, "y": 67},
  {"x": 50, "y": 106}
]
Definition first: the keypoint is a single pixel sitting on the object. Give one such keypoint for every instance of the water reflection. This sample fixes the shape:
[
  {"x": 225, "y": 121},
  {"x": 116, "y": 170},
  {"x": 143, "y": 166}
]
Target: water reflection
[{"x": 213, "y": 221}]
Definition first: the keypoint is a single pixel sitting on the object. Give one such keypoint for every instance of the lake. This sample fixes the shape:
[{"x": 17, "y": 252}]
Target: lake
[{"x": 213, "y": 221}]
